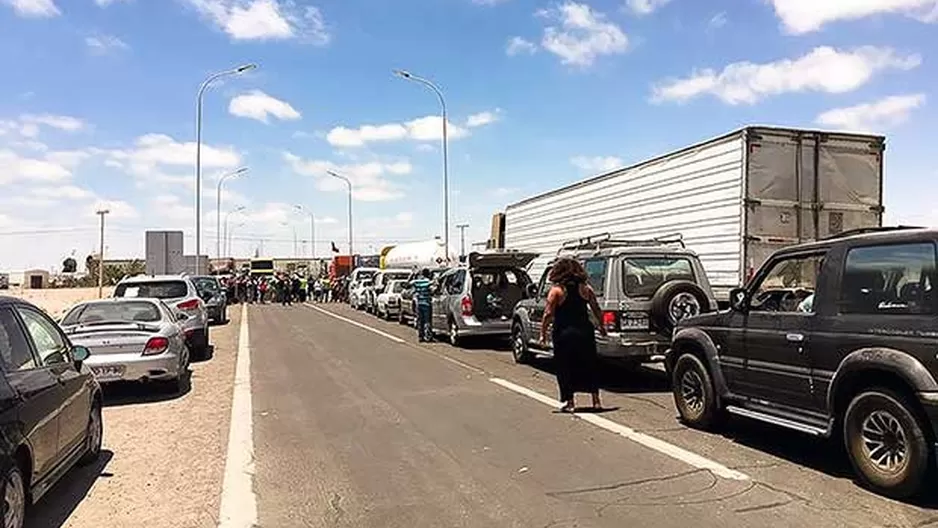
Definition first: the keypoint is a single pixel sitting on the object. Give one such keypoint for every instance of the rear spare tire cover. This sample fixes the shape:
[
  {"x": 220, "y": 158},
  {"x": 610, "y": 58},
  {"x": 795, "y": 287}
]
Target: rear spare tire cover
[{"x": 676, "y": 300}]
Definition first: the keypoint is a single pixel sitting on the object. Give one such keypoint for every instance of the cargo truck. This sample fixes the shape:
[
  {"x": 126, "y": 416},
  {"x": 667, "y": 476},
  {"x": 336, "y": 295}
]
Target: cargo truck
[{"x": 734, "y": 199}]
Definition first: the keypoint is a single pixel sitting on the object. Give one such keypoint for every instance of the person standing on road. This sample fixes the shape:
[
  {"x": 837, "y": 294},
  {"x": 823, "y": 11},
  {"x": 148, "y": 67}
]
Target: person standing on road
[
  {"x": 569, "y": 303},
  {"x": 424, "y": 309}
]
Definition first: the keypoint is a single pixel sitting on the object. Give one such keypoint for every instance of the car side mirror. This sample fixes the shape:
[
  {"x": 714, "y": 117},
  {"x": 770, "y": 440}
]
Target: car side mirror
[
  {"x": 739, "y": 300},
  {"x": 531, "y": 290},
  {"x": 80, "y": 353}
]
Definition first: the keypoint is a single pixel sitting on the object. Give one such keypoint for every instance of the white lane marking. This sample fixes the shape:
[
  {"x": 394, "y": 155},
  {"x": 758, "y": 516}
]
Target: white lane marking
[
  {"x": 650, "y": 442},
  {"x": 356, "y": 323},
  {"x": 238, "y": 501}
]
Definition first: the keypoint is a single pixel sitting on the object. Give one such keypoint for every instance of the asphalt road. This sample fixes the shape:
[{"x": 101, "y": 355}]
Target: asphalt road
[
  {"x": 323, "y": 416},
  {"x": 358, "y": 428}
]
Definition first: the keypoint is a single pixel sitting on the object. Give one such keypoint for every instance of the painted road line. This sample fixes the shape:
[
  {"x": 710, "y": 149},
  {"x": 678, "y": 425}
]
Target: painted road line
[
  {"x": 648, "y": 441},
  {"x": 356, "y": 323},
  {"x": 238, "y": 501}
]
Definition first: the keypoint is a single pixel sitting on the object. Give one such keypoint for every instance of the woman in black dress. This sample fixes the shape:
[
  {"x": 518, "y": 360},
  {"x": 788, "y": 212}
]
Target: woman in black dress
[{"x": 568, "y": 305}]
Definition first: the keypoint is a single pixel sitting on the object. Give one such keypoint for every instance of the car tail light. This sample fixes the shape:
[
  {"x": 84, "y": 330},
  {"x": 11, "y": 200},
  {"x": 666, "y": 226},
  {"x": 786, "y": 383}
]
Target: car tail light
[
  {"x": 466, "y": 305},
  {"x": 610, "y": 320},
  {"x": 188, "y": 306},
  {"x": 156, "y": 345}
]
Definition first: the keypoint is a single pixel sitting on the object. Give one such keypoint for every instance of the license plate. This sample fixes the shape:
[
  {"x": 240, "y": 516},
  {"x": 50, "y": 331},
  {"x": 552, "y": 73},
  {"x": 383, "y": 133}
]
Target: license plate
[
  {"x": 108, "y": 373},
  {"x": 634, "y": 323}
]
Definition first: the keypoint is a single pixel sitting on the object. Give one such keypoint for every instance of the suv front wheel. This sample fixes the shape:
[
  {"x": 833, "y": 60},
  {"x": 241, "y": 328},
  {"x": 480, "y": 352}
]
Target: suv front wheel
[
  {"x": 693, "y": 391},
  {"x": 886, "y": 443},
  {"x": 519, "y": 345}
]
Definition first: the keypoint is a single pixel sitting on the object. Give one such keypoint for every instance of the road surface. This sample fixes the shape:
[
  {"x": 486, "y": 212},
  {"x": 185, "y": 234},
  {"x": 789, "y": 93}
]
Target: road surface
[{"x": 342, "y": 420}]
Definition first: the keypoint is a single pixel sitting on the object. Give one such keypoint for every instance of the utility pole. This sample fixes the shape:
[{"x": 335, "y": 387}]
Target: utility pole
[
  {"x": 101, "y": 213},
  {"x": 462, "y": 239}
]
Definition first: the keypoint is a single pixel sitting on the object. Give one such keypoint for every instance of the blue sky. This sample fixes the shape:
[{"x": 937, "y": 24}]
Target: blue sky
[{"x": 98, "y": 98}]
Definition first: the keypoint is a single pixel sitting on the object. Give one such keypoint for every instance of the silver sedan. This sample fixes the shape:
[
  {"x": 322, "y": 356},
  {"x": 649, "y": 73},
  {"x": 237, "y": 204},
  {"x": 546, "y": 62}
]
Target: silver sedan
[{"x": 130, "y": 340}]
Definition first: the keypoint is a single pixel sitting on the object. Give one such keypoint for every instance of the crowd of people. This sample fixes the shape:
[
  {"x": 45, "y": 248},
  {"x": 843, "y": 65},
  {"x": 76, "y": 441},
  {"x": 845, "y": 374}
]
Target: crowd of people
[{"x": 284, "y": 288}]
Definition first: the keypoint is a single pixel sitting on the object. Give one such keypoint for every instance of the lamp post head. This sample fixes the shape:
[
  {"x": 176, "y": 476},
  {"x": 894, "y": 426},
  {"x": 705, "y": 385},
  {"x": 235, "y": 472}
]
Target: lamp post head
[
  {"x": 403, "y": 74},
  {"x": 240, "y": 171},
  {"x": 240, "y": 208},
  {"x": 103, "y": 211},
  {"x": 245, "y": 67}
]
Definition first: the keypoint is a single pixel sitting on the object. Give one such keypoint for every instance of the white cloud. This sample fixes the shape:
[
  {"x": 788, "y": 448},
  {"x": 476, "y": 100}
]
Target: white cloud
[
  {"x": 875, "y": 116},
  {"x": 64, "y": 192},
  {"x": 503, "y": 192},
  {"x": 106, "y": 3},
  {"x": 265, "y": 19},
  {"x": 824, "y": 69},
  {"x": 260, "y": 106},
  {"x": 16, "y": 168},
  {"x": 29, "y": 124},
  {"x": 119, "y": 209},
  {"x": 805, "y": 16},
  {"x": 429, "y": 128},
  {"x": 159, "y": 159},
  {"x": 582, "y": 36},
  {"x": 100, "y": 44},
  {"x": 717, "y": 21},
  {"x": 33, "y": 8},
  {"x": 369, "y": 183},
  {"x": 597, "y": 163},
  {"x": 519, "y": 46},
  {"x": 645, "y": 7},
  {"x": 483, "y": 118}
]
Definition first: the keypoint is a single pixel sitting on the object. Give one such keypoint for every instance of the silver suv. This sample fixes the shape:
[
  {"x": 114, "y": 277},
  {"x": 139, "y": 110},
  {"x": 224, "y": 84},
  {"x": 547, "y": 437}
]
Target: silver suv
[
  {"x": 180, "y": 294},
  {"x": 644, "y": 288}
]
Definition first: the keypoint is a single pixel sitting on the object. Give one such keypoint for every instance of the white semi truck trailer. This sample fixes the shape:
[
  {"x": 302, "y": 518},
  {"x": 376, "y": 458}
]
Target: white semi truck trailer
[{"x": 734, "y": 199}]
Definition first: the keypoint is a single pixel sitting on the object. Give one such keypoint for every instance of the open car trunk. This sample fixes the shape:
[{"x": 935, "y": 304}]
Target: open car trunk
[{"x": 496, "y": 291}]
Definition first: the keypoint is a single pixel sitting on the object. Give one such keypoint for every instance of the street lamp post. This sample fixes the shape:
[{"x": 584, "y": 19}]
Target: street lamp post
[
  {"x": 101, "y": 213},
  {"x": 288, "y": 224},
  {"x": 351, "y": 250},
  {"x": 411, "y": 77},
  {"x": 221, "y": 180},
  {"x": 198, "y": 155},
  {"x": 462, "y": 239},
  {"x": 227, "y": 216},
  {"x": 312, "y": 228}
]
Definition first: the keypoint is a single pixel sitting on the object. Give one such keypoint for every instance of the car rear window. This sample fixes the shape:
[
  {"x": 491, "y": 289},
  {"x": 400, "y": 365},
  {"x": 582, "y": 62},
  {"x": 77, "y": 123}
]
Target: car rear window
[
  {"x": 136, "y": 311},
  {"x": 642, "y": 276},
  {"x": 206, "y": 284},
  {"x": 153, "y": 290}
]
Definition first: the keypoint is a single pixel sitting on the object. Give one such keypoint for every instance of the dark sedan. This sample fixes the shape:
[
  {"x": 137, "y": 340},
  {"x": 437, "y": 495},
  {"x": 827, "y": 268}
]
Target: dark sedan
[{"x": 50, "y": 407}]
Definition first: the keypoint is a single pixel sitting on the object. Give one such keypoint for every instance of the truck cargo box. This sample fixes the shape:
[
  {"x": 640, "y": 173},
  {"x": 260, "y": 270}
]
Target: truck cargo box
[{"x": 735, "y": 199}]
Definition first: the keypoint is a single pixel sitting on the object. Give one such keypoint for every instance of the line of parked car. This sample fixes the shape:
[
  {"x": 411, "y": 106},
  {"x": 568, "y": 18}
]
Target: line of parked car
[
  {"x": 834, "y": 339},
  {"x": 53, "y": 370}
]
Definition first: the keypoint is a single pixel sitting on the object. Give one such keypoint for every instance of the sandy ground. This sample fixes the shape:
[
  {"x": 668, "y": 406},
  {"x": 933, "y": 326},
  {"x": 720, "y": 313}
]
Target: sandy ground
[
  {"x": 57, "y": 301},
  {"x": 164, "y": 455}
]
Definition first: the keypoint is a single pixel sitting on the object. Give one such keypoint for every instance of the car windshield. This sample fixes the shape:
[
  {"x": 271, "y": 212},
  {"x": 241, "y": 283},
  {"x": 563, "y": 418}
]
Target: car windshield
[
  {"x": 133, "y": 311},
  {"x": 644, "y": 275},
  {"x": 171, "y": 289},
  {"x": 206, "y": 284},
  {"x": 397, "y": 287}
]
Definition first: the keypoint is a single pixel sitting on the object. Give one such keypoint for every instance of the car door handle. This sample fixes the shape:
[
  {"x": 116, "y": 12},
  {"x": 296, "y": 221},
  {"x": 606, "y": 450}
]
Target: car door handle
[{"x": 794, "y": 338}]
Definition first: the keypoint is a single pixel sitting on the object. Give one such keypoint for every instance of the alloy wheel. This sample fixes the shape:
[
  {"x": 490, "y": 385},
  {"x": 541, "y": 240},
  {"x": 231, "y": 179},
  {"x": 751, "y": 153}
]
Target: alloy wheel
[
  {"x": 14, "y": 500},
  {"x": 692, "y": 391},
  {"x": 884, "y": 441},
  {"x": 683, "y": 305}
]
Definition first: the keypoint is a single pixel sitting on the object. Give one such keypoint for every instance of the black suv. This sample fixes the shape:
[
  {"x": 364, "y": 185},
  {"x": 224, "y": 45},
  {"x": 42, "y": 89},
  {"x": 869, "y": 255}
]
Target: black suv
[
  {"x": 51, "y": 407},
  {"x": 835, "y": 338}
]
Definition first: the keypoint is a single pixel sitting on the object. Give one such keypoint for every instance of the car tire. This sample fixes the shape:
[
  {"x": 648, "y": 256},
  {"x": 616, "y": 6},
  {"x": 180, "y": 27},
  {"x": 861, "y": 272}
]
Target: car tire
[
  {"x": 694, "y": 395},
  {"x": 883, "y": 413},
  {"x": 453, "y": 334},
  {"x": 520, "y": 351},
  {"x": 14, "y": 496},
  {"x": 401, "y": 320},
  {"x": 94, "y": 436}
]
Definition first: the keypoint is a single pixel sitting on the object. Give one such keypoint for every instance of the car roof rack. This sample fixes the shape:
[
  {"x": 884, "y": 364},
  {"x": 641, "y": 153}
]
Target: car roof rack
[
  {"x": 868, "y": 230},
  {"x": 605, "y": 240}
]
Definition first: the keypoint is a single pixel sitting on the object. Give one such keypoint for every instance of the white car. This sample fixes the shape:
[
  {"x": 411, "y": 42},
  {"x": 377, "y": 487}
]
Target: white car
[
  {"x": 357, "y": 293},
  {"x": 388, "y": 303}
]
